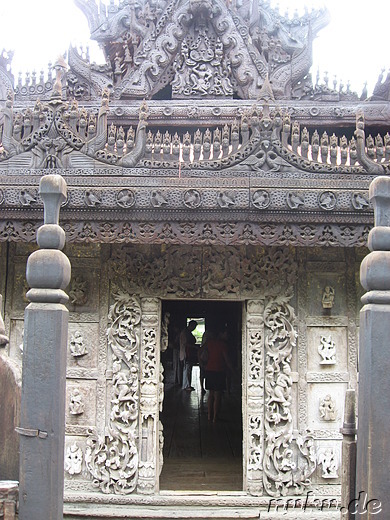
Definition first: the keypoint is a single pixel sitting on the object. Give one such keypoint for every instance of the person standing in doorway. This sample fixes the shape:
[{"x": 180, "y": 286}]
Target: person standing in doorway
[
  {"x": 217, "y": 365},
  {"x": 174, "y": 343},
  {"x": 187, "y": 347}
]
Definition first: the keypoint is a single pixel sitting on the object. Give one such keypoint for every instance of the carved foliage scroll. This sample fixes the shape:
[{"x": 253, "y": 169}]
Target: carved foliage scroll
[
  {"x": 289, "y": 458},
  {"x": 151, "y": 395},
  {"x": 203, "y": 272},
  {"x": 254, "y": 418},
  {"x": 112, "y": 457}
]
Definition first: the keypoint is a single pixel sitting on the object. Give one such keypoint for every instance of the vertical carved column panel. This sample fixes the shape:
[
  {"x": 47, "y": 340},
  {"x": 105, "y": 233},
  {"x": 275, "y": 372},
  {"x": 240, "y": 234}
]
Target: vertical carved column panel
[
  {"x": 302, "y": 343},
  {"x": 112, "y": 457},
  {"x": 351, "y": 310},
  {"x": 151, "y": 396},
  {"x": 253, "y": 392}
]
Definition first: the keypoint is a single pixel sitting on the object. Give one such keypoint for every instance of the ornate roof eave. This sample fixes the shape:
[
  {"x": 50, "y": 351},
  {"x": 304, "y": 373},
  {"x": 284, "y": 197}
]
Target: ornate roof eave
[{"x": 57, "y": 134}]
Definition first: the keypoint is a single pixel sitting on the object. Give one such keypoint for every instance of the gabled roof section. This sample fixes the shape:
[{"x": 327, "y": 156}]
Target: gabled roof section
[{"x": 201, "y": 48}]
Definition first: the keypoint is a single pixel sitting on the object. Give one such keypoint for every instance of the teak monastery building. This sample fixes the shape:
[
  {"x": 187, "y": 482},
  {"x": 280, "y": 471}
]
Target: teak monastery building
[{"x": 209, "y": 175}]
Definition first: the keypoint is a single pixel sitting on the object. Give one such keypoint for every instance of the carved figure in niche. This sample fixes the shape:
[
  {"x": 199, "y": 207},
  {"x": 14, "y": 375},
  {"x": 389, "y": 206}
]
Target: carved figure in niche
[
  {"x": 78, "y": 291},
  {"x": 201, "y": 68},
  {"x": 76, "y": 345},
  {"x": 327, "y": 350},
  {"x": 327, "y": 408},
  {"x": 328, "y": 297},
  {"x": 200, "y": 78},
  {"x": 76, "y": 403},
  {"x": 73, "y": 459},
  {"x": 328, "y": 460}
]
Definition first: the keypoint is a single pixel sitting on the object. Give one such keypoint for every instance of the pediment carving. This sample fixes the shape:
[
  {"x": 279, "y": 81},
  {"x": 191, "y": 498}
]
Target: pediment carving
[{"x": 201, "y": 48}]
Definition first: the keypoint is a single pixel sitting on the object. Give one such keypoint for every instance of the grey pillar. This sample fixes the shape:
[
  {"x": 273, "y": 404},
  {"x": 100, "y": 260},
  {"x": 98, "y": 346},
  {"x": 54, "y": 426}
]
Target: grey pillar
[
  {"x": 348, "y": 473},
  {"x": 373, "y": 445},
  {"x": 42, "y": 415}
]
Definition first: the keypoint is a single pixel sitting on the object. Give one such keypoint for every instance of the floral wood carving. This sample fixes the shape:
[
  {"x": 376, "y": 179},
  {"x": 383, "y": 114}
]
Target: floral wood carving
[
  {"x": 112, "y": 458},
  {"x": 197, "y": 233},
  {"x": 289, "y": 459},
  {"x": 177, "y": 270}
]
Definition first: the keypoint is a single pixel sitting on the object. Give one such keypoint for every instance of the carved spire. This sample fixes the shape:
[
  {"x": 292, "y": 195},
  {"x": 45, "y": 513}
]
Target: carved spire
[{"x": 60, "y": 67}]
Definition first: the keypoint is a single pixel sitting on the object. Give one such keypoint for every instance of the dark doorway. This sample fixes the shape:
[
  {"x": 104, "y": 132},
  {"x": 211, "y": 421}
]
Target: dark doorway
[{"x": 200, "y": 454}]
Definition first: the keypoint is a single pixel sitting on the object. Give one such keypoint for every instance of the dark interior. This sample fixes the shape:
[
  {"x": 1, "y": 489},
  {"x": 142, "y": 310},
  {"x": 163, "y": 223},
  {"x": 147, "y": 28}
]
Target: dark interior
[{"x": 199, "y": 454}]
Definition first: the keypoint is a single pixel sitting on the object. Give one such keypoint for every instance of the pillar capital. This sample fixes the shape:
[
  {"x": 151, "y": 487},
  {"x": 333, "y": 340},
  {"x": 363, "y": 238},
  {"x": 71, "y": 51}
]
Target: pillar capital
[{"x": 48, "y": 269}]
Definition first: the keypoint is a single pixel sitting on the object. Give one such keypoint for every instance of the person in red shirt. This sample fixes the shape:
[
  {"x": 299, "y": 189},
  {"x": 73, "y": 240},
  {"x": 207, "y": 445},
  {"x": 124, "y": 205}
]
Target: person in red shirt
[{"x": 218, "y": 363}]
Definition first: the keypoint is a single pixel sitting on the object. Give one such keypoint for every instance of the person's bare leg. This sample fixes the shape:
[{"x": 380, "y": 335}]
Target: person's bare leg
[
  {"x": 210, "y": 405},
  {"x": 217, "y": 404}
]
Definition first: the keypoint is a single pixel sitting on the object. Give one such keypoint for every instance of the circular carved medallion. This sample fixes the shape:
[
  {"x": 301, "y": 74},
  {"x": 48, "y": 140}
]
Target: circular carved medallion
[
  {"x": 327, "y": 200},
  {"x": 261, "y": 199},
  {"x": 192, "y": 198},
  {"x": 125, "y": 198}
]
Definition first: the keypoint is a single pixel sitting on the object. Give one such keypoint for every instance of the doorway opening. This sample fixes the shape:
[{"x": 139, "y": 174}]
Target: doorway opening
[{"x": 202, "y": 454}]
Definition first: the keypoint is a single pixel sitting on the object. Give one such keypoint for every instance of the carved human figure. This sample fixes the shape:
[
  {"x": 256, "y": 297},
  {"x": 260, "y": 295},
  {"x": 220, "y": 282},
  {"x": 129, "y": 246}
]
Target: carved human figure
[
  {"x": 327, "y": 350},
  {"x": 73, "y": 459},
  {"x": 327, "y": 408},
  {"x": 328, "y": 460},
  {"x": 76, "y": 403},
  {"x": 328, "y": 297},
  {"x": 200, "y": 78},
  {"x": 77, "y": 346}
]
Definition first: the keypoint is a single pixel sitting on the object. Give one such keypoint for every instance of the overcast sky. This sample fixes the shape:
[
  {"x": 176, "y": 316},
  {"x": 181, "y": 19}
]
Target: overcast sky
[{"x": 353, "y": 47}]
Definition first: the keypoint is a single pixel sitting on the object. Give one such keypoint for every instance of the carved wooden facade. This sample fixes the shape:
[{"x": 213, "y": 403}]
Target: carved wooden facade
[{"x": 235, "y": 178}]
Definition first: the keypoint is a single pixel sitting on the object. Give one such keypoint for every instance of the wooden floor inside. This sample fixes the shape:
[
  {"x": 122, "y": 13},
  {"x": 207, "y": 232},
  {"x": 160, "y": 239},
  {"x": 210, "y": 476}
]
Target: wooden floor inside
[{"x": 200, "y": 455}]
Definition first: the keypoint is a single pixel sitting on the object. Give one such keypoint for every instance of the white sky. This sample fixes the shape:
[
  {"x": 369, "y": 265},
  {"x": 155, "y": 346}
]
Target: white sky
[{"x": 353, "y": 47}]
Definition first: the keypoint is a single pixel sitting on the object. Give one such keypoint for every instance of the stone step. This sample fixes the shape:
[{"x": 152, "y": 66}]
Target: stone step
[{"x": 202, "y": 512}]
